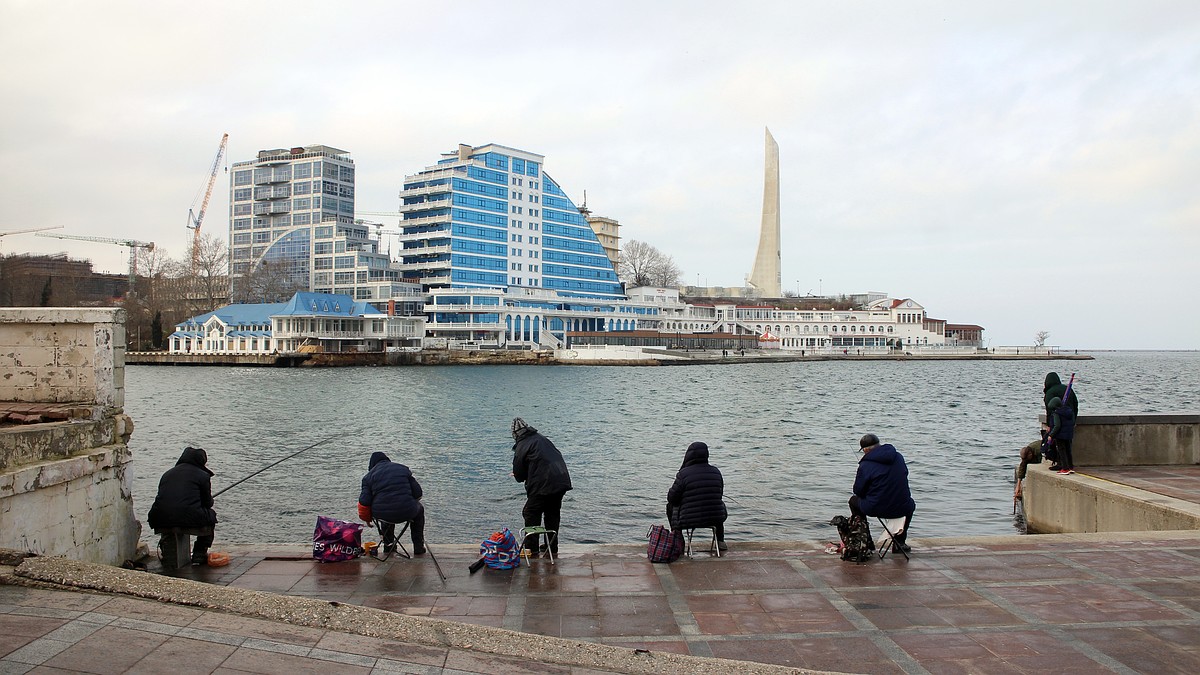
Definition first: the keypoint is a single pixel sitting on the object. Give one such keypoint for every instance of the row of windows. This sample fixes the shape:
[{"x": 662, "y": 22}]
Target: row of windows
[
  {"x": 518, "y": 266},
  {"x": 569, "y": 217},
  {"x": 592, "y": 246},
  {"x": 463, "y": 185},
  {"x": 520, "y": 182},
  {"x": 579, "y": 272},
  {"x": 467, "y": 246},
  {"x": 479, "y": 203},
  {"x": 533, "y": 225},
  {"x": 476, "y": 262},
  {"x": 489, "y": 176},
  {"x": 474, "y": 232},
  {"x": 465, "y": 216},
  {"x": 581, "y": 286}
]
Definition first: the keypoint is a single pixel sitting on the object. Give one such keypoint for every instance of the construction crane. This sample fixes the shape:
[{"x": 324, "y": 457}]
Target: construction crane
[
  {"x": 30, "y": 229},
  {"x": 133, "y": 245},
  {"x": 195, "y": 220}
]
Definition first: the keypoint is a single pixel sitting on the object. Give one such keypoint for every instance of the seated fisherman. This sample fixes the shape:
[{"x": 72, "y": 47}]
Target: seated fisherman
[
  {"x": 881, "y": 486},
  {"x": 185, "y": 500},
  {"x": 695, "y": 498},
  {"x": 391, "y": 493}
]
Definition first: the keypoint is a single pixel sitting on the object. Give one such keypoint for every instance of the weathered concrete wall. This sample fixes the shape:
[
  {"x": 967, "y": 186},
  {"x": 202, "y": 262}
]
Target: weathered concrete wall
[
  {"x": 57, "y": 355},
  {"x": 1137, "y": 440},
  {"x": 1079, "y": 503},
  {"x": 65, "y": 487}
]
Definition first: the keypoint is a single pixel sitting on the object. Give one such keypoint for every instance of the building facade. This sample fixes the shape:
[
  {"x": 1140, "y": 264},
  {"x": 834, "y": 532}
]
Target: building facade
[{"x": 292, "y": 228}]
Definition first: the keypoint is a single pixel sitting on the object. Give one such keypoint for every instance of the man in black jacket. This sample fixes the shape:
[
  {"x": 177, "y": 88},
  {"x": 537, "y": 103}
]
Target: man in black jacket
[
  {"x": 540, "y": 466},
  {"x": 391, "y": 493},
  {"x": 695, "y": 498},
  {"x": 185, "y": 500}
]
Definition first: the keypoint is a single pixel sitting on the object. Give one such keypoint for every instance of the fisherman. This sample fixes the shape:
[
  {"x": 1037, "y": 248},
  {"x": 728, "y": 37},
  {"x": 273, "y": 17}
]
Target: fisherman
[
  {"x": 540, "y": 466},
  {"x": 390, "y": 494},
  {"x": 185, "y": 500},
  {"x": 1030, "y": 454},
  {"x": 695, "y": 498},
  {"x": 881, "y": 486},
  {"x": 1055, "y": 388}
]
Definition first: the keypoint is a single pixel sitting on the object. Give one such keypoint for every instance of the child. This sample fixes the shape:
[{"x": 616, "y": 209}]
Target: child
[{"x": 1062, "y": 430}]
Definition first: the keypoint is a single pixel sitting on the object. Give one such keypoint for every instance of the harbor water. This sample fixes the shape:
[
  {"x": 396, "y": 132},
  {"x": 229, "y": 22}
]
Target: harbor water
[{"x": 785, "y": 435}]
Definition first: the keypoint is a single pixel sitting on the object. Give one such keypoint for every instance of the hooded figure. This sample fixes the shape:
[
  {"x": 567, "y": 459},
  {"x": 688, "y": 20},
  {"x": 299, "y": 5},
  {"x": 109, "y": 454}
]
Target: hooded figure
[
  {"x": 185, "y": 500},
  {"x": 695, "y": 498},
  {"x": 541, "y": 467},
  {"x": 1062, "y": 430},
  {"x": 1054, "y": 388},
  {"x": 390, "y": 493},
  {"x": 881, "y": 485}
]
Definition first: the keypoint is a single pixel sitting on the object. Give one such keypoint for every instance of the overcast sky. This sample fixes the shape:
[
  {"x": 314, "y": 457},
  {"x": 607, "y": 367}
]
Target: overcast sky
[{"x": 1022, "y": 166}]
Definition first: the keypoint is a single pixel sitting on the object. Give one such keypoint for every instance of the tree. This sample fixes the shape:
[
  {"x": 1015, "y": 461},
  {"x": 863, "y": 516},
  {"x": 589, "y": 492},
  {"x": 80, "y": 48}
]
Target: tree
[
  {"x": 644, "y": 265},
  {"x": 1039, "y": 338},
  {"x": 268, "y": 281},
  {"x": 156, "y": 335},
  {"x": 47, "y": 291}
]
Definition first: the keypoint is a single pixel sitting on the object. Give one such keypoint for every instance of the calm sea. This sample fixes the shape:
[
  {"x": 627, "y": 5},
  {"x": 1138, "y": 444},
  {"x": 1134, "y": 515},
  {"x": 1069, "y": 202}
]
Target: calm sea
[{"x": 784, "y": 435}]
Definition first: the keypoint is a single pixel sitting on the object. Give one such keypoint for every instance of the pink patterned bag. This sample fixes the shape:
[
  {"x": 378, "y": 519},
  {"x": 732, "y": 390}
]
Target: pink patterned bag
[{"x": 336, "y": 540}]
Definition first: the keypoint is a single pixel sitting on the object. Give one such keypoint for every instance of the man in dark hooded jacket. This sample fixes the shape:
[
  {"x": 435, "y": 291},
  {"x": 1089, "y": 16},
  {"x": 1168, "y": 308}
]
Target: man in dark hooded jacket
[
  {"x": 540, "y": 466},
  {"x": 1056, "y": 389},
  {"x": 390, "y": 493},
  {"x": 881, "y": 486},
  {"x": 694, "y": 499},
  {"x": 185, "y": 500}
]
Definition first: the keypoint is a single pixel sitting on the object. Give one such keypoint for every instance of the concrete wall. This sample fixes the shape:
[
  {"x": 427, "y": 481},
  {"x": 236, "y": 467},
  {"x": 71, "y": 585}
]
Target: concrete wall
[
  {"x": 65, "y": 487},
  {"x": 1079, "y": 503},
  {"x": 1133, "y": 440},
  {"x": 59, "y": 355}
]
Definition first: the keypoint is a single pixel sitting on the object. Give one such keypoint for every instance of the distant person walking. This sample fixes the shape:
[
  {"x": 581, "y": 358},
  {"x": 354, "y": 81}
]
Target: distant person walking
[
  {"x": 881, "y": 486},
  {"x": 541, "y": 467},
  {"x": 695, "y": 498}
]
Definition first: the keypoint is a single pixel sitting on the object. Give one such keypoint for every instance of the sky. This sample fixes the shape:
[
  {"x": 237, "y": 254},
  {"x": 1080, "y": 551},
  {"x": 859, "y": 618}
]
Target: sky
[{"x": 1024, "y": 166}]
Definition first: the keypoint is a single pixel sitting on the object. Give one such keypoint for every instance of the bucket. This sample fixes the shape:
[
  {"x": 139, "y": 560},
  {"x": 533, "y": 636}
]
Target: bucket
[{"x": 218, "y": 559}]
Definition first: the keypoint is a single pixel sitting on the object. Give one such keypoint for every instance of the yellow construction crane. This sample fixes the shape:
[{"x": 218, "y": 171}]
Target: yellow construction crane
[
  {"x": 133, "y": 245},
  {"x": 4, "y": 233},
  {"x": 195, "y": 220}
]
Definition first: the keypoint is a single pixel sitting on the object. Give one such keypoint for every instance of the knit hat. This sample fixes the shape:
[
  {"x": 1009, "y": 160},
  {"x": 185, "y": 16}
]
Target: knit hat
[{"x": 518, "y": 425}]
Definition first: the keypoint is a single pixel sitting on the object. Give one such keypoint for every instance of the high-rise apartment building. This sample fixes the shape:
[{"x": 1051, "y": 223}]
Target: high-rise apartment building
[
  {"x": 292, "y": 228},
  {"x": 490, "y": 217}
]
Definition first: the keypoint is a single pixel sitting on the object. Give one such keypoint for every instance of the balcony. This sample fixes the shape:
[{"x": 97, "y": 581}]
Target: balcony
[
  {"x": 425, "y": 206},
  {"x": 427, "y": 190},
  {"x": 425, "y": 220},
  {"x": 281, "y": 207},
  {"x": 441, "y": 233},
  {"x": 436, "y": 174},
  {"x": 431, "y": 265},
  {"x": 425, "y": 250}
]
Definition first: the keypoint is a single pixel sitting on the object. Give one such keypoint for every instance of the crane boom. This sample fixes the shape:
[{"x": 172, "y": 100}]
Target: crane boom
[
  {"x": 133, "y": 245},
  {"x": 195, "y": 221}
]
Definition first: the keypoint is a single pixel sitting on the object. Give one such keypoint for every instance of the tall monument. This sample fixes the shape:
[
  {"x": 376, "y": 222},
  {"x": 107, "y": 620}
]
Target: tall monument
[{"x": 765, "y": 277}]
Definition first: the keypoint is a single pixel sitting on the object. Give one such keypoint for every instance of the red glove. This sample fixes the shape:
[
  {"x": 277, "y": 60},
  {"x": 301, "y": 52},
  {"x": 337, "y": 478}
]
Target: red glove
[{"x": 364, "y": 513}]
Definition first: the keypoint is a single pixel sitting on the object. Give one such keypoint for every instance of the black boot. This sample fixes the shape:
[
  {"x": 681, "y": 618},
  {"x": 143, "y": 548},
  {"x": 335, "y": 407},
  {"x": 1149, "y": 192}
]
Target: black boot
[{"x": 200, "y": 558}]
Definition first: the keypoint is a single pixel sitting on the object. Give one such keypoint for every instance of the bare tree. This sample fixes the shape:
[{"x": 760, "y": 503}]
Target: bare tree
[
  {"x": 1040, "y": 337},
  {"x": 268, "y": 281},
  {"x": 644, "y": 265}
]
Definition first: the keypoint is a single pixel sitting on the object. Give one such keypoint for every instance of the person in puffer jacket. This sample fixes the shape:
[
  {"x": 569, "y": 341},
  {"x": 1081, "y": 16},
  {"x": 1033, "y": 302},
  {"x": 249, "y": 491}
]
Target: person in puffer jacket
[
  {"x": 695, "y": 498},
  {"x": 391, "y": 493},
  {"x": 881, "y": 486},
  {"x": 1062, "y": 430},
  {"x": 185, "y": 500}
]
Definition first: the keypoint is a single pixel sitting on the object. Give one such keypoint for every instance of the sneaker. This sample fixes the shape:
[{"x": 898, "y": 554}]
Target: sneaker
[
  {"x": 721, "y": 545},
  {"x": 1055, "y": 467},
  {"x": 200, "y": 559},
  {"x": 418, "y": 549},
  {"x": 1064, "y": 472},
  {"x": 1071, "y": 471}
]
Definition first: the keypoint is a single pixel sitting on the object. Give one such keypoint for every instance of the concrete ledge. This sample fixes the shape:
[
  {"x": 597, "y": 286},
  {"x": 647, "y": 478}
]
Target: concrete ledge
[
  {"x": 34, "y": 443},
  {"x": 376, "y": 623},
  {"x": 1083, "y": 503}
]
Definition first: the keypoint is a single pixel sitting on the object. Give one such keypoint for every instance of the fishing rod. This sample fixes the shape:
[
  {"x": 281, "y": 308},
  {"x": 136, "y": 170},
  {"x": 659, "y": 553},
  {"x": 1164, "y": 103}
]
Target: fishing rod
[{"x": 218, "y": 494}]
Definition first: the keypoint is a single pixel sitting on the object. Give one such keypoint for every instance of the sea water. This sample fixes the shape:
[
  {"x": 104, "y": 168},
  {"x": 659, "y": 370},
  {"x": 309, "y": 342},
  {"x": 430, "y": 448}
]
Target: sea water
[{"x": 785, "y": 436}]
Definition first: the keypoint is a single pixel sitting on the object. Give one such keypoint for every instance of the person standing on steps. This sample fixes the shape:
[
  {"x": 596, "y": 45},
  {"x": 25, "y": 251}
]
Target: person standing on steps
[
  {"x": 1062, "y": 430},
  {"x": 541, "y": 467}
]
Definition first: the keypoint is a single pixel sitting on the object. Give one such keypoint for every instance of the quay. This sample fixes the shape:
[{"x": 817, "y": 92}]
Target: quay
[
  {"x": 578, "y": 356},
  {"x": 1111, "y": 602}
]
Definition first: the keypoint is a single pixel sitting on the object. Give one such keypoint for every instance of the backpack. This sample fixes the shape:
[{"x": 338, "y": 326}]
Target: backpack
[
  {"x": 855, "y": 532},
  {"x": 665, "y": 545},
  {"x": 336, "y": 540},
  {"x": 500, "y": 551}
]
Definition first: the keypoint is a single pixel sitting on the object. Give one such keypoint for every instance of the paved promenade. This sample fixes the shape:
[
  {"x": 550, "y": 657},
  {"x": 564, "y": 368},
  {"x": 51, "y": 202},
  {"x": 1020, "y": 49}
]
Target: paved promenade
[{"x": 1119, "y": 602}]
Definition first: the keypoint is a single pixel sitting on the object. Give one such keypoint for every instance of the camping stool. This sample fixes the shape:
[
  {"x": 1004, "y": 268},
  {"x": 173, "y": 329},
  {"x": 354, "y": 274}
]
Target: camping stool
[
  {"x": 893, "y": 527},
  {"x": 175, "y": 545},
  {"x": 400, "y": 550},
  {"x": 537, "y": 529},
  {"x": 713, "y": 548}
]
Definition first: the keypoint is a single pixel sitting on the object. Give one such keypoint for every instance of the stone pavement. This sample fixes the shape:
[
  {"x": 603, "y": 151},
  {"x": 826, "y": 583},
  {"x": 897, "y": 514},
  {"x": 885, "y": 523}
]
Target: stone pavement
[
  {"x": 1119, "y": 602},
  {"x": 1180, "y": 482}
]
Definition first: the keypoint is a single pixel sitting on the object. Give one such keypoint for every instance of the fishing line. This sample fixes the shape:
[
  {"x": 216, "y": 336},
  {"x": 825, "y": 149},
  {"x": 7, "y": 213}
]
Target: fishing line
[{"x": 280, "y": 462}]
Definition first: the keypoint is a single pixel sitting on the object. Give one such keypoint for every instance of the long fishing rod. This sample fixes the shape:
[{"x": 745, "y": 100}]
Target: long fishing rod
[{"x": 279, "y": 462}]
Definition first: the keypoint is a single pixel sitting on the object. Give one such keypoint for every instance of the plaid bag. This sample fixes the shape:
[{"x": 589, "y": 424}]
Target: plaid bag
[
  {"x": 665, "y": 546},
  {"x": 336, "y": 540},
  {"x": 501, "y": 551}
]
